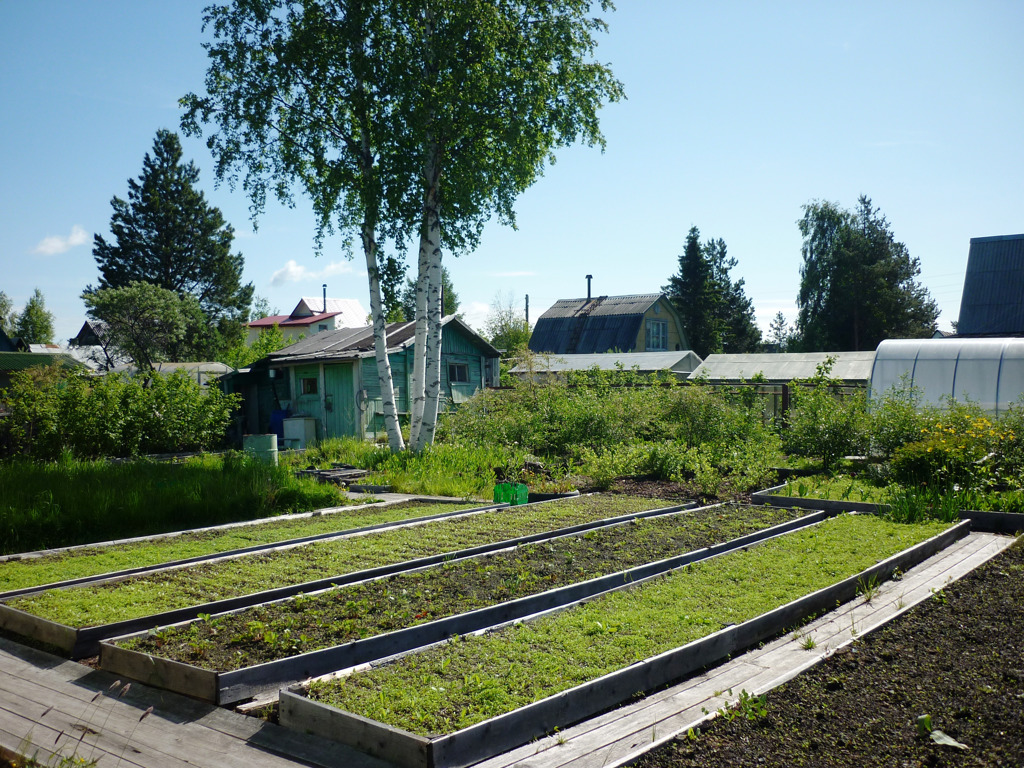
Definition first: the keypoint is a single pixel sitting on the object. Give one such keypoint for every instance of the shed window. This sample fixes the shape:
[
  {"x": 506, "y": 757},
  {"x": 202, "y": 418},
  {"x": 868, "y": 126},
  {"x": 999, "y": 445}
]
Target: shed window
[
  {"x": 657, "y": 335},
  {"x": 458, "y": 373},
  {"x": 321, "y": 327},
  {"x": 308, "y": 386}
]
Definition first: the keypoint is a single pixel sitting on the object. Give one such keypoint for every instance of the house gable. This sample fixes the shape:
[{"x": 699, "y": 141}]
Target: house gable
[{"x": 609, "y": 323}]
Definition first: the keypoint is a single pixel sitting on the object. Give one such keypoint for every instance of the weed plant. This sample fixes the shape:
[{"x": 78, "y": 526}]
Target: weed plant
[
  {"x": 604, "y": 425},
  {"x": 443, "y": 469},
  {"x": 460, "y": 683},
  {"x": 71, "y": 501}
]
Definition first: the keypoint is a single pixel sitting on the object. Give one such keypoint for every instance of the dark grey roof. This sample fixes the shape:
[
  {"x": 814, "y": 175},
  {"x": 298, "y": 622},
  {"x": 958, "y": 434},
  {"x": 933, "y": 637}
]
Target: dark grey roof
[
  {"x": 352, "y": 343},
  {"x": 579, "y": 326},
  {"x": 993, "y": 298}
]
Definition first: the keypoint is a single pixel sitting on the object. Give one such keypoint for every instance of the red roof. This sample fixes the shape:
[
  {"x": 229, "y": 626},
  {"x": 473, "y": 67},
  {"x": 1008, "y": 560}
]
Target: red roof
[{"x": 286, "y": 321}]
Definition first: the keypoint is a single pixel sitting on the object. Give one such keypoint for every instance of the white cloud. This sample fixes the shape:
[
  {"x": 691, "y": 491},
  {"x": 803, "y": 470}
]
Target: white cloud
[
  {"x": 293, "y": 272},
  {"x": 475, "y": 314},
  {"x": 51, "y": 246}
]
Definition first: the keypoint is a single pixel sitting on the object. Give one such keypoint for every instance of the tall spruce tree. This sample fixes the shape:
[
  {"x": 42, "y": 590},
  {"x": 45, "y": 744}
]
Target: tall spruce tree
[
  {"x": 858, "y": 284},
  {"x": 716, "y": 313},
  {"x": 166, "y": 234}
]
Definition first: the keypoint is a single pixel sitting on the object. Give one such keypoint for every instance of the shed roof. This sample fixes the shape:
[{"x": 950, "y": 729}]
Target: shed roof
[
  {"x": 644, "y": 362},
  {"x": 784, "y": 367},
  {"x": 352, "y": 343},
  {"x": 993, "y": 297},
  {"x": 585, "y": 326},
  {"x": 19, "y": 361}
]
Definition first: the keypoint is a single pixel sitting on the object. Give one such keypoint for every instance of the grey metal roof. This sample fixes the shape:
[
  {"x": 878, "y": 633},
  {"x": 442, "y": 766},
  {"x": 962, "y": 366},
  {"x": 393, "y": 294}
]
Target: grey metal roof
[
  {"x": 579, "y": 326},
  {"x": 993, "y": 297},
  {"x": 353, "y": 343},
  {"x": 645, "y": 362},
  {"x": 784, "y": 367}
]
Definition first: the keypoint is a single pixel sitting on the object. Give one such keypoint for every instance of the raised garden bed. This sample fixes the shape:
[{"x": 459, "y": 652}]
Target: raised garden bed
[
  {"x": 462, "y": 701},
  {"x": 777, "y": 496},
  {"x": 49, "y": 569},
  {"x": 988, "y": 521},
  {"x": 74, "y": 620},
  {"x": 235, "y": 656},
  {"x": 954, "y": 657}
]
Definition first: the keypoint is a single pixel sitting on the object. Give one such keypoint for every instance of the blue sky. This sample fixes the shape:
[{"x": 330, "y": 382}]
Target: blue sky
[{"x": 738, "y": 113}]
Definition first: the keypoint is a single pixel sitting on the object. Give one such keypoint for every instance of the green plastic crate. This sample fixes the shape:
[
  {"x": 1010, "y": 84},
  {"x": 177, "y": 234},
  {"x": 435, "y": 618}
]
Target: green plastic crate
[{"x": 511, "y": 493}]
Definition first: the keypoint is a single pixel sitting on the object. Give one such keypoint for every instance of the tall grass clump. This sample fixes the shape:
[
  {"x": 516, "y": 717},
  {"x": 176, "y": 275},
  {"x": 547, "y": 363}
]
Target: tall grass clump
[{"x": 72, "y": 501}]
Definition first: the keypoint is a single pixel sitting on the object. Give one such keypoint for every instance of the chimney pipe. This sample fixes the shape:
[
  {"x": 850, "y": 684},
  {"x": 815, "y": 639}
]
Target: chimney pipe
[
  {"x": 589, "y": 278},
  {"x": 527, "y": 311},
  {"x": 325, "y": 298}
]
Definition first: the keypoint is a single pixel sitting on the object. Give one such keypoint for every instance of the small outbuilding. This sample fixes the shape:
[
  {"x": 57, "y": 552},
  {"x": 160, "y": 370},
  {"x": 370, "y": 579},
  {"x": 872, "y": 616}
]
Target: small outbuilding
[{"x": 326, "y": 385}]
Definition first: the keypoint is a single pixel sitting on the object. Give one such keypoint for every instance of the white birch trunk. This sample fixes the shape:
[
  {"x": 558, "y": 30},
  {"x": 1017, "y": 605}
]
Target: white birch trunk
[
  {"x": 380, "y": 346},
  {"x": 416, "y": 391},
  {"x": 432, "y": 385}
]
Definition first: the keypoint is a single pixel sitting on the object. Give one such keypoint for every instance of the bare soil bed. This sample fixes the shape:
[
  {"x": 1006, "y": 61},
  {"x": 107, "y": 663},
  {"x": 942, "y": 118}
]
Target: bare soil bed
[{"x": 958, "y": 657}]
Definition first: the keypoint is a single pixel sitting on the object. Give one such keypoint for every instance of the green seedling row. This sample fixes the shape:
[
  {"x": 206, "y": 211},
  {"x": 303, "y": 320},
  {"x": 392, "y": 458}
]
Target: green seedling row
[
  {"x": 311, "y": 622},
  {"x": 82, "y": 562},
  {"x": 471, "y": 679},
  {"x": 198, "y": 584}
]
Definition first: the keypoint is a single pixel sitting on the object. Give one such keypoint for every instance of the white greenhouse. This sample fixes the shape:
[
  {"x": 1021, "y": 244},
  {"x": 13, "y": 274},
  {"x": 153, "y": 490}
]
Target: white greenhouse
[{"x": 986, "y": 371}]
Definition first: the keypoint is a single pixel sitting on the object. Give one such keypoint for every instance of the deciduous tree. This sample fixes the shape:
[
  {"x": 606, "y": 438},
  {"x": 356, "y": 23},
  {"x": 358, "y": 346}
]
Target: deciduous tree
[
  {"x": 7, "y": 314},
  {"x": 400, "y": 118},
  {"x": 143, "y": 321},
  {"x": 858, "y": 283},
  {"x": 166, "y": 234},
  {"x": 35, "y": 323}
]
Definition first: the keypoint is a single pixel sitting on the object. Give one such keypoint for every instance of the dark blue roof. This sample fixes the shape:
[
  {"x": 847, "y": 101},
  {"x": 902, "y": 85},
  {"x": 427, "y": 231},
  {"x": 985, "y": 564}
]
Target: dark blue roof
[
  {"x": 581, "y": 326},
  {"x": 993, "y": 298}
]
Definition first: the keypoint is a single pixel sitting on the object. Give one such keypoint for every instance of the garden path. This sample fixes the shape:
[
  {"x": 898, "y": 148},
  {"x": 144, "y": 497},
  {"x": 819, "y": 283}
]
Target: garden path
[{"x": 47, "y": 704}]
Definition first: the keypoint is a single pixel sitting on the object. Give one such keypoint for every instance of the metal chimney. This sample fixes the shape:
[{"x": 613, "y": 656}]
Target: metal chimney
[
  {"x": 589, "y": 278},
  {"x": 527, "y": 310},
  {"x": 325, "y": 298}
]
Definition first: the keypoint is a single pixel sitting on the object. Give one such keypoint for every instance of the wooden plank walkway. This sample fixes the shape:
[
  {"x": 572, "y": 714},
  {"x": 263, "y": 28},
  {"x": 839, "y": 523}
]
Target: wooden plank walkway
[{"x": 51, "y": 705}]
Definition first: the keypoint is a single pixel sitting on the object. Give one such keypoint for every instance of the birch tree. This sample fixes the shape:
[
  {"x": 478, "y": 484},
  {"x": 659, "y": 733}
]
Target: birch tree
[
  {"x": 299, "y": 94},
  {"x": 399, "y": 118},
  {"x": 504, "y": 84}
]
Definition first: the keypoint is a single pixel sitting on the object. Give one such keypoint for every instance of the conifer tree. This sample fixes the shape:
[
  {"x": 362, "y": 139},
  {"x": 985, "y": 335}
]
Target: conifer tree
[{"x": 166, "y": 234}]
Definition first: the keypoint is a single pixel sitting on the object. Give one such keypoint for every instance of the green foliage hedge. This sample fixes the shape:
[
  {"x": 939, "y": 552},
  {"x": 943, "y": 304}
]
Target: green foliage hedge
[{"x": 53, "y": 410}]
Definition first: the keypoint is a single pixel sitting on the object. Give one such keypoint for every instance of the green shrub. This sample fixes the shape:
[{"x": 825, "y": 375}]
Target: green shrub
[
  {"x": 54, "y": 409},
  {"x": 825, "y": 423},
  {"x": 897, "y": 418}
]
